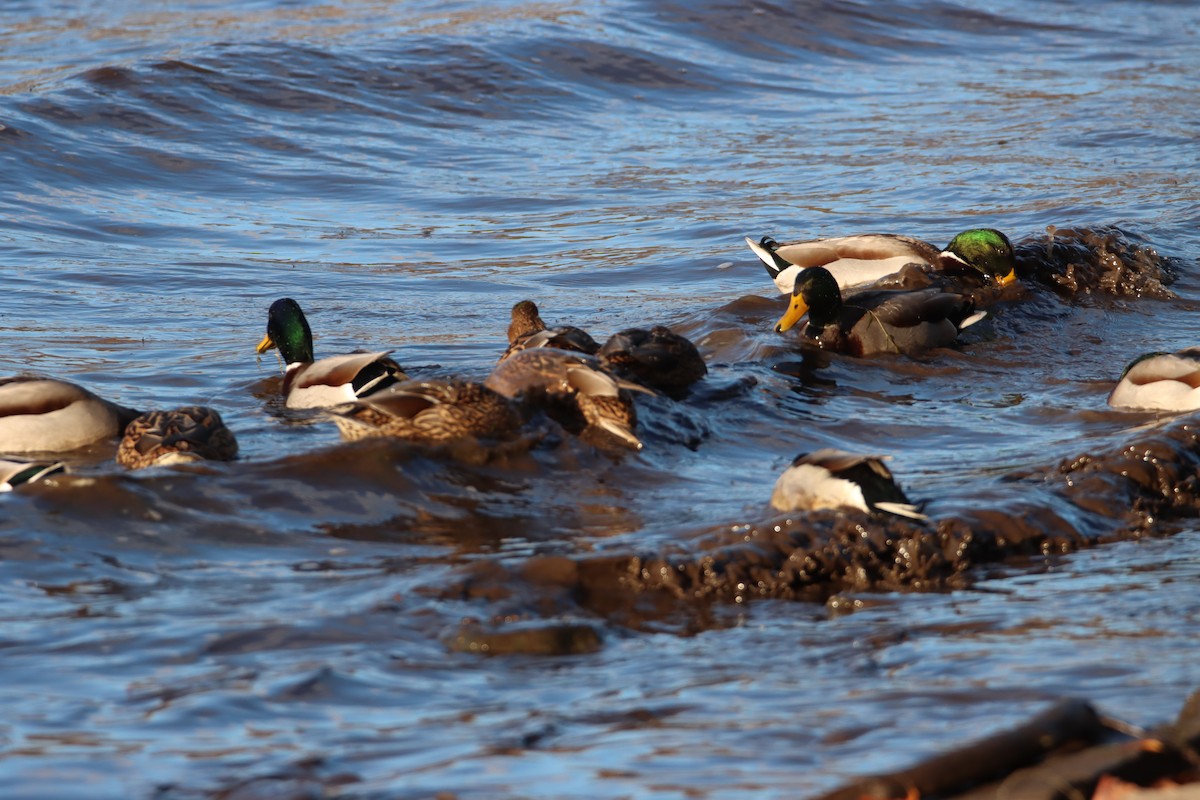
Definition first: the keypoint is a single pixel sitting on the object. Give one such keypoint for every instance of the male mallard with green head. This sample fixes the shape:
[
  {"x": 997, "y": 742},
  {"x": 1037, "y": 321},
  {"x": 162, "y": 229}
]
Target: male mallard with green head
[
  {"x": 178, "y": 436},
  {"x": 49, "y": 415},
  {"x": 428, "y": 411},
  {"x": 527, "y": 331},
  {"x": 881, "y": 321},
  {"x": 831, "y": 478},
  {"x": 319, "y": 384},
  {"x": 981, "y": 256},
  {"x": 574, "y": 388},
  {"x": 1160, "y": 382}
]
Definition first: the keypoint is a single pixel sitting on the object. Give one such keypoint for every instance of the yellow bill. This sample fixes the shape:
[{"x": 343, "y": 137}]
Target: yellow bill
[
  {"x": 266, "y": 344},
  {"x": 797, "y": 308}
]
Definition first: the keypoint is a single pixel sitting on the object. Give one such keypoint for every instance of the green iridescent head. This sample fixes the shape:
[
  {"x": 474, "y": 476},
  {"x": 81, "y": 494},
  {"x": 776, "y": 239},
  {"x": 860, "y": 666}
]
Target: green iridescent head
[
  {"x": 987, "y": 250},
  {"x": 288, "y": 330}
]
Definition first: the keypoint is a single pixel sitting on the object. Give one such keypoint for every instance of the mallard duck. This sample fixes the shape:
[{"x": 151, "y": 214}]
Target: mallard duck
[
  {"x": 1160, "y": 382},
  {"x": 881, "y": 321},
  {"x": 979, "y": 255},
  {"x": 574, "y": 388},
  {"x": 428, "y": 411},
  {"x": 333, "y": 380},
  {"x": 657, "y": 358},
  {"x": 179, "y": 436},
  {"x": 831, "y": 478},
  {"x": 527, "y": 331},
  {"x": 49, "y": 415},
  {"x": 16, "y": 473}
]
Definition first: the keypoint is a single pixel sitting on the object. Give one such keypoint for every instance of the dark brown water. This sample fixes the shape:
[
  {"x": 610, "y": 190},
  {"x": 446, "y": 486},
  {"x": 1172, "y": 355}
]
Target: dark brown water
[{"x": 312, "y": 619}]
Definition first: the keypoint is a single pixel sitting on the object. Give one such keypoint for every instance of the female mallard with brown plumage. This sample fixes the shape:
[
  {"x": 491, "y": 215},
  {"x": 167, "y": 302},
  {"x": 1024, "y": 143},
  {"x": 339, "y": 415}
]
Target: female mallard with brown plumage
[
  {"x": 1160, "y": 382},
  {"x": 49, "y": 415},
  {"x": 981, "y": 256},
  {"x": 527, "y": 331},
  {"x": 882, "y": 321},
  {"x": 574, "y": 388},
  {"x": 658, "y": 358},
  {"x": 318, "y": 384},
  {"x": 178, "y": 436},
  {"x": 831, "y": 478},
  {"x": 428, "y": 411}
]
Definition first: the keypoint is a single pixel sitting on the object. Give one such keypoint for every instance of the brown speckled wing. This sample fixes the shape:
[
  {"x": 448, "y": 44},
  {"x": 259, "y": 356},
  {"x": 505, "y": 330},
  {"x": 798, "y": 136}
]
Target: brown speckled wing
[{"x": 194, "y": 431}]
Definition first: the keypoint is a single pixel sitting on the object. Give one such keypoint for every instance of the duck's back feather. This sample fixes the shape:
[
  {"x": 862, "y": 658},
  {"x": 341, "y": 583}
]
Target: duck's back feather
[
  {"x": 658, "y": 358},
  {"x": 1163, "y": 382},
  {"x": 339, "y": 379},
  {"x": 852, "y": 260},
  {"x": 889, "y": 321},
  {"x": 573, "y": 387},
  {"x": 49, "y": 415},
  {"x": 863, "y": 247},
  {"x": 830, "y": 478},
  {"x": 181, "y": 435},
  {"x": 429, "y": 411},
  {"x": 563, "y": 337}
]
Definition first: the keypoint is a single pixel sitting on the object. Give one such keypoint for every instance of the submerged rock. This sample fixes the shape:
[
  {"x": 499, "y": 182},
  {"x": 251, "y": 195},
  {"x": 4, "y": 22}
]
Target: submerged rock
[
  {"x": 540, "y": 639},
  {"x": 1079, "y": 502},
  {"x": 1095, "y": 262}
]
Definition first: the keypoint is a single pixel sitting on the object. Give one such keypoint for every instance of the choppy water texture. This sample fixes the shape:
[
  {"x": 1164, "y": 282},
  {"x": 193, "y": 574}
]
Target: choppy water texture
[{"x": 312, "y": 620}]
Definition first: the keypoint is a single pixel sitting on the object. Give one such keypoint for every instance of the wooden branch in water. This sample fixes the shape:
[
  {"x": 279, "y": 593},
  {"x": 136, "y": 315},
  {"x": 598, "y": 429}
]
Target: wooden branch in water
[
  {"x": 1068, "y": 723},
  {"x": 1064, "y": 752}
]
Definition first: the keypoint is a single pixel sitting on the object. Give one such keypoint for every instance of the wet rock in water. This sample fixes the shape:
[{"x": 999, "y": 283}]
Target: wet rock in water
[
  {"x": 1079, "y": 502},
  {"x": 1095, "y": 262},
  {"x": 538, "y": 639},
  {"x": 1150, "y": 479}
]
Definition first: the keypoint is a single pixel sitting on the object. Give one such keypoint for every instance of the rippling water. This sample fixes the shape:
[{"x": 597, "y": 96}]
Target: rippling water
[{"x": 308, "y": 619}]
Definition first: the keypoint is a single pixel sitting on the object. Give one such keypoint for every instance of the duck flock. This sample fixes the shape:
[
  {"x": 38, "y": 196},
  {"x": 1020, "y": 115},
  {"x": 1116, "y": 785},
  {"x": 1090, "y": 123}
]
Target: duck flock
[{"x": 858, "y": 295}]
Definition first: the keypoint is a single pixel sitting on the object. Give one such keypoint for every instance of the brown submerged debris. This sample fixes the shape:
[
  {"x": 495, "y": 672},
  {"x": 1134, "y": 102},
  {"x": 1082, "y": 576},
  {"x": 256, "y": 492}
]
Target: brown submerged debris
[
  {"x": 1067, "y": 751},
  {"x": 1094, "y": 262},
  {"x": 539, "y": 639},
  {"x": 1071, "y": 723}
]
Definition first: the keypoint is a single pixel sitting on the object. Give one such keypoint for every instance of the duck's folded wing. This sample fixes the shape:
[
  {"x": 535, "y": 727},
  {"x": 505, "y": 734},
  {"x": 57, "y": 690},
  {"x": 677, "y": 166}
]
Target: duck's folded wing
[
  {"x": 864, "y": 247},
  {"x": 342, "y": 370},
  {"x": 908, "y": 309}
]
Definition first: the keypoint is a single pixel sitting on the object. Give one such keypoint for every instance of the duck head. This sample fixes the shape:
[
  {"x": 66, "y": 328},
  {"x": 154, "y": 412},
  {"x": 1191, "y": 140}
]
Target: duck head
[
  {"x": 287, "y": 329},
  {"x": 525, "y": 321},
  {"x": 816, "y": 293},
  {"x": 987, "y": 250}
]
